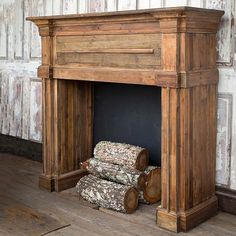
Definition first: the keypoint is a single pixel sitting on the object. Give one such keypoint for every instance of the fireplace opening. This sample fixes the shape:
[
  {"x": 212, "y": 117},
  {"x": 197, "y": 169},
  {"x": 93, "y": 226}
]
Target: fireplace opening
[{"x": 129, "y": 114}]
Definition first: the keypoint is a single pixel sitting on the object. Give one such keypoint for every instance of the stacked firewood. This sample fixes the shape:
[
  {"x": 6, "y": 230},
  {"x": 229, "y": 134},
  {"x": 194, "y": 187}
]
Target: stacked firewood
[{"x": 119, "y": 177}]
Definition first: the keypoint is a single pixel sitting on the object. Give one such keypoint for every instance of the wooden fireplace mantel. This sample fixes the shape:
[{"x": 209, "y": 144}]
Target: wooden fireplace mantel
[{"x": 174, "y": 48}]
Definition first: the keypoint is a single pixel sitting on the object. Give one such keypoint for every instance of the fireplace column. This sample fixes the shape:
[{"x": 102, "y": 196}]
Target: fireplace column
[
  {"x": 67, "y": 121},
  {"x": 188, "y": 157},
  {"x": 188, "y": 132}
]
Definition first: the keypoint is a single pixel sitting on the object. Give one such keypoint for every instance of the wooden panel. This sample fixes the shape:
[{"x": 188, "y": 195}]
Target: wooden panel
[
  {"x": 186, "y": 147},
  {"x": 67, "y": 127},
  {"x": 198, "y": 145},
  {"x": 165, "y": 121},
  {"x": 131, "y": 51},
  {"x": 110, "y": 60},
  {"x": 102, "y": 42},
  {"x": 173, "y": 149},
  {"x": 188, "y": 154},
  {"x": 169, "y": 52}
]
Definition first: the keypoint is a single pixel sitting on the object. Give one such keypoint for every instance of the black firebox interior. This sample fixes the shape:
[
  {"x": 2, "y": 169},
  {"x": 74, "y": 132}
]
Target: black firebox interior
[{"x": 130, "y": 114}]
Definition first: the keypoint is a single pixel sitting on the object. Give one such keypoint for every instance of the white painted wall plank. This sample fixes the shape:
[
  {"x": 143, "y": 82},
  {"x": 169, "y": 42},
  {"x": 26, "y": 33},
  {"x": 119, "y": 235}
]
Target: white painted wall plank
[
  {"x": 9, "y": 11},
  {"x": 83, "y": 6},
  {"x": 171, "y": 3},
  {"x": 15, "y": 101},
  {"x": 126, "y": 5},
  {"x": 143, "y": 4},
  {"x": 225, "y": 46},
  {"x": 36, "y": 110},
  {"x": 96, "y": 6},
  {"x": 27, "y": 31},
  {"x": 157, "y": 3},
  {"x": 69, "y": 7},
  {"x": 25, "y": 107},
  {"x": 196, "y": 3},
  {"x": 19, "y": 29},
  {"x": 3, "y": 34},
  {"x": 57, "y": 7},
  {"x": 111, "y": 5},
  {"x": 227, "y": 85},
  {"x": 48, "y": 7},
  {"x": 36, "y": 10},
  {"x": 224, "y": 119},
  {"x": 5, "y": 119}
]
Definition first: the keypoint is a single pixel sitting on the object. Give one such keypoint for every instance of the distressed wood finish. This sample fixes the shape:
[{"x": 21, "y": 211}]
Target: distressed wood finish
[
  {"x": 182, "y": 61},
  {"x": 67, "y": 141}
]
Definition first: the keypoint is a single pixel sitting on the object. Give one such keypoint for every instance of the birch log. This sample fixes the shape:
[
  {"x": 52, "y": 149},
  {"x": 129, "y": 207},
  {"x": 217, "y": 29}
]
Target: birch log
[
  {"x": 152, "y": 189},
  {"x": 115, "y": 173},
  {"x": 108, "y": 194},
  {"x": 122, "y": 154}
]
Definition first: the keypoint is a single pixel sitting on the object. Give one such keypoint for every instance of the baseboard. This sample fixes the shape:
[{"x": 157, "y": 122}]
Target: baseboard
[
  {"x": 21, "y": 147},
  {"x": 68, "y": 180},
  {"x": 47, "y": 183},
  {"x": 226, "y": 199},
  {"x": 184, "y": 221}
]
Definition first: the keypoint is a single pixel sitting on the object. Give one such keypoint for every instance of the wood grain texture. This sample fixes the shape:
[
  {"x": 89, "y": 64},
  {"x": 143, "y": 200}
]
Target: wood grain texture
[
  {"x": 73, "y": 58},
  {"x": 188, "y": 153},
  {"x": 67, "y": 127}
]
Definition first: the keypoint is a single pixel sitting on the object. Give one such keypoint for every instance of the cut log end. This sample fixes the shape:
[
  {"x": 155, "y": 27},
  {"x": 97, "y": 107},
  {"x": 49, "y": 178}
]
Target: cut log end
[
  {"x": 131, "y": 200},
  {"x": 142, "y": 160},
  {"x": 142, "y": 181},
  {"x": 152, "y": 190}
]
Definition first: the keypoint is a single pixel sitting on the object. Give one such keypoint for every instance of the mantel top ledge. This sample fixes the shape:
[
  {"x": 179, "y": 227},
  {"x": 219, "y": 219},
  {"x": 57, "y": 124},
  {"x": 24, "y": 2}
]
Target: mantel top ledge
[{"x": 155, "y": 13}]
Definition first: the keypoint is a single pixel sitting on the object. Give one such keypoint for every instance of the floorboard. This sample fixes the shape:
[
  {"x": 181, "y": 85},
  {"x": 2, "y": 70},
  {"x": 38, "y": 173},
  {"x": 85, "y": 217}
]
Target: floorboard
[{"x": 27, "y": 210}]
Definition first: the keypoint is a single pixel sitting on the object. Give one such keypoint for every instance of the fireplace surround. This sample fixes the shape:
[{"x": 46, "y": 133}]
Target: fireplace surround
[{"x": 172, "y": 48}]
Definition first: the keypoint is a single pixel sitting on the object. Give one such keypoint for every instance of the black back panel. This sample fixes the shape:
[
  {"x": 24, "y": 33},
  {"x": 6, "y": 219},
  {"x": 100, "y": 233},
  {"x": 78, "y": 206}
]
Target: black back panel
[{"x": 130, "y": 114}]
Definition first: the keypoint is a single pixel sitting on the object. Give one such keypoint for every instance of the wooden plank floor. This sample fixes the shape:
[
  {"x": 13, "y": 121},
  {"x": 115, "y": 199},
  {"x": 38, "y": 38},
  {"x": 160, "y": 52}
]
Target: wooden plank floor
[{"x": 27, "y": 210}]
